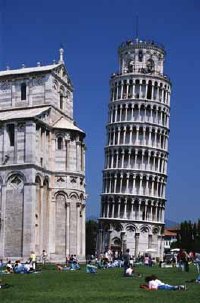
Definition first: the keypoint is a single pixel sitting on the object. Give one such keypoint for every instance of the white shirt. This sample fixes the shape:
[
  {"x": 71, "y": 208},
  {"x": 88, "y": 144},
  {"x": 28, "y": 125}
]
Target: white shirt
[
  {"x": 129, "y": 271},
  {"x": 153, "y": 284}
]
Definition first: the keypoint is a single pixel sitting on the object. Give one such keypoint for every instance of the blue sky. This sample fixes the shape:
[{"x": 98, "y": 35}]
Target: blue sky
[{"x": 91, "y": 31}]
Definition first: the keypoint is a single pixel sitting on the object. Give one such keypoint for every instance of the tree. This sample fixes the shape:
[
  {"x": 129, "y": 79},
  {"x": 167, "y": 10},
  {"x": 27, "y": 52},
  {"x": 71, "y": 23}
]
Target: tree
[
  {"x": 91, "y": 236},
  {"x": 188, "y": 236}
]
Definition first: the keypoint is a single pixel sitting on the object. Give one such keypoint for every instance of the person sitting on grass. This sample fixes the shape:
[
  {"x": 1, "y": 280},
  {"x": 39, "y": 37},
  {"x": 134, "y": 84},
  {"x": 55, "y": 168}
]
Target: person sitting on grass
[
  {"x": 153, "y": 283},
  {"x": 130, "y": 272},
  {"x": 28, "y": 268},
  {"x": 18, "y": 267},
  {"x": 9, "y": 268},
  {"x": 74, "y": 265},
  {"x": 91, "y": 269}
]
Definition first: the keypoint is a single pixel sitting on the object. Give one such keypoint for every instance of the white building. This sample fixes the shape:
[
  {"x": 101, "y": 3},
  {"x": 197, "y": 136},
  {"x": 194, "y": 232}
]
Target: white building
[
  {"x": 136, "y": 153},
  {"x": 42, "y": 168}
]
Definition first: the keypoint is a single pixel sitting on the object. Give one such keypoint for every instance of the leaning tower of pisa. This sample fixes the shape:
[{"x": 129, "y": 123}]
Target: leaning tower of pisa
[{"x": 136, "y": 153}]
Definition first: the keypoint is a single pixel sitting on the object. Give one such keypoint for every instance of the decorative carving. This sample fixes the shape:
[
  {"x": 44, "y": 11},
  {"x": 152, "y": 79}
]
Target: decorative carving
[
  {"x": 4, "y": 86},
  {"x": 144, "y": 229},
  {"x": 39, "y": 81},
  {"x": 20, "y": 126},
  {"x": 15, "y": 181},
  {"x": 67, "y": 136},
  {"x": 60, "y": 179},
  {"x": 55, "y": 85},
  {"x": 73, "y": 179}
]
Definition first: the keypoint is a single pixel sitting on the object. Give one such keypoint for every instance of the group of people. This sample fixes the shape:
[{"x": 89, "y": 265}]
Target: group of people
[
  {"x": 70, "y": 264},
  {"x": 18, "y": 267},
  {"x": 105, "y": 261}
]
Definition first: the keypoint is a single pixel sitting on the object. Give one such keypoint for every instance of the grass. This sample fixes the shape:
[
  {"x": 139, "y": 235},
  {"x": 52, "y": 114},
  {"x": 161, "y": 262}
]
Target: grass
[{"x": 107, "y": 286}]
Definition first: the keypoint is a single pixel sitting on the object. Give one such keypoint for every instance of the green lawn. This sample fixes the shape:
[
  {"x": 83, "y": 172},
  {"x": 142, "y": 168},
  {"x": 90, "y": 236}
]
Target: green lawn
[{"x": 106, "y": 286}]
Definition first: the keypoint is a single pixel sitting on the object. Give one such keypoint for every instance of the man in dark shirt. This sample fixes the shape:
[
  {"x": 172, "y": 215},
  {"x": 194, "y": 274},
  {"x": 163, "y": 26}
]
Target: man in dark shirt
[{"x": 126, "y": 259}]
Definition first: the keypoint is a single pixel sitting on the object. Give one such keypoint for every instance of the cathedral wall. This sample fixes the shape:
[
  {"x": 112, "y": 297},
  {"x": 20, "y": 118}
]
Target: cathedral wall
[
  {"x": 42, "y": 183},
  {"x": 41, "y": 89}
]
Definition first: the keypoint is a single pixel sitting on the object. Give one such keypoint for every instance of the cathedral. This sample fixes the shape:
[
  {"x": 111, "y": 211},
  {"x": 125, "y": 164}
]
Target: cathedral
[
  {"x": 42, "y": 164},
  {"x": 136, "y": 153}
]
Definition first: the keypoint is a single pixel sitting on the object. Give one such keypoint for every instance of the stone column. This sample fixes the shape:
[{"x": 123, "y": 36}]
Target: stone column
[
  {"x": 118, "y": 135},
  {"x": 121, "y": 178},
  {"x": 137, "y": 134},
  {"x": 122, "y": 158},
  {"x": 132, "y": 210},
  {"x": 113, "y": 208},
  {"x": 83, "y": 239},
  {"x": 124, "y": 134},
  {"x": 126, "y": 108},
  {"x": 131, "y": 135},
  {"x": 2, "y": 216},
  {"x": 125, "y": 209},
  {"x": 118, "y": 210},
  {"x": 78, "y": 242},
  {"x": 30, "y": 142},
  {"x": 129, "y": 158},
  {"x": 52, "y": 227},
  {"x": 134, "y": 189},
  {"x": 137, "y": 235},
  {"x": 127, "y": 183},
  {"x": 29, "y": 219},
  {"x": 114, "y": 134},
  {"x": 108, "y": 208},
  {"x": 115, "y": 183},
  {"x": 139, "y": 209},
  {"x": 120, "y": 116},
  {"x": 112, "y": 158}
]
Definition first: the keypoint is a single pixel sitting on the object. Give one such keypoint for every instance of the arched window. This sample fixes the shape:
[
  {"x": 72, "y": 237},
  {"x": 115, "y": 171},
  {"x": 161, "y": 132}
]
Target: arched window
[
  {"x": 140, "y": 56},
  {"x": 23, "y": 91},
  {"x": 11, "y": 133},
  {"x": 149, "y": 90},
  {"x": 61, "y": 98},
  {"x": 60, "y": 143}
]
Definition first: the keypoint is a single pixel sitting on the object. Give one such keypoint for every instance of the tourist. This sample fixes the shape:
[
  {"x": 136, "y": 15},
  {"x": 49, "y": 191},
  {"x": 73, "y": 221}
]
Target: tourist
[
  {"x": 62, "y": 268},
  {"x": 146, "y": 260},
  {"x": 129, "y": 271},
  {"x": 33, "y": 260},
  {"x": 18, "y": 267},
  {"x": 126, "y": 259},
  {"x": 27, "y": 267},
  {"x": 91, "y": 269},
  {"x": 154, "y": 283},
  {"x": 1, "y": 264},
  {"x": 9, "y": 268},
  {"x": 44, "y": 257},
  {"x": 182, "y": 259}
]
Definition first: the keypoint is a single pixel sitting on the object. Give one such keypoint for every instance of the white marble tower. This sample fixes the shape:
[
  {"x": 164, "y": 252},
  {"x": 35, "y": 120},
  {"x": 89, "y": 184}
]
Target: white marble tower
[{"x": 136, "y": 154}]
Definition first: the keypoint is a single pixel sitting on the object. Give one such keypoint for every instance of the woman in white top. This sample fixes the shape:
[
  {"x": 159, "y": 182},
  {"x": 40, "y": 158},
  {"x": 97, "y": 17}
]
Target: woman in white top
[{"x": 155, "y": 283}]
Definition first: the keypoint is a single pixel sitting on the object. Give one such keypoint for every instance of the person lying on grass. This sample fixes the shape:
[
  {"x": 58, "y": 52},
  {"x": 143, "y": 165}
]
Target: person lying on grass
[
  {"x": 59, "y": 267},
  {"x": 153, "y": 283}
]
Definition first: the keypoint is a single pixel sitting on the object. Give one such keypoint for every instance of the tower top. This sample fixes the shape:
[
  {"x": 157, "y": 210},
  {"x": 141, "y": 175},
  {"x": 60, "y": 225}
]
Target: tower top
[
  {"x": 141, "y": 44},
  {"x": 61, "y": 52}
]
